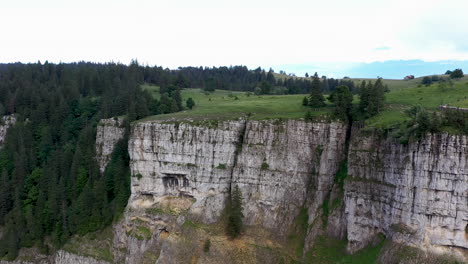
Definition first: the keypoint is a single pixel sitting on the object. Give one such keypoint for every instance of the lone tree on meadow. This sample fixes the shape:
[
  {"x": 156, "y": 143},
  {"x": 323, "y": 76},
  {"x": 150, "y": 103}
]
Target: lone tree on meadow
[
  {"x": 190, "y": 103},
  {"x": 316, "y": 98},
  {"x": 235, "y": 215}
]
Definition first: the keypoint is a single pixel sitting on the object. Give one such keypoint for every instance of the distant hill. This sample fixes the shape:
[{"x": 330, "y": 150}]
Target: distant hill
[{"x": 387, "y": 69}]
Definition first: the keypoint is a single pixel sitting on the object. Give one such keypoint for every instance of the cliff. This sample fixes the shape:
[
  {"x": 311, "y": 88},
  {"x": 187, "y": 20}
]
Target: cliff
[
  {"x": 273, "y": 163},
  {"x": 109, "y": 132},
  {"x": 299, "y": 181},
  {"x": 416, "y": 193},
  {"x": 183, "y": 172}
]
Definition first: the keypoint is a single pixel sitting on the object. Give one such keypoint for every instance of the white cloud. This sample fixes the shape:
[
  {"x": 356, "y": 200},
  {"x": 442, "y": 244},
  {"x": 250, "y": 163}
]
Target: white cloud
[{"x": 209, "y": 32}]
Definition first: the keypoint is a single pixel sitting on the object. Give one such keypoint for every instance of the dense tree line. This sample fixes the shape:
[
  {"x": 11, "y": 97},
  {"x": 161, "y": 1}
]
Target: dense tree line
[
  {"x": 237, "y": 78},
  {"x": 50, "y": 184}
]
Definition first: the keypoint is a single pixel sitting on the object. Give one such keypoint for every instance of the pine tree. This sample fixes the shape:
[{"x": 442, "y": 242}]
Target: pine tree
[
  {"x": 376, "y": 98},
  {"x": 305, "y": 101},
  {"x": 343, "y": 102},
  {"x": 235, "y": 214},
  {"x": 316, "y": 98},
  {"x": 363, "y": 97}
]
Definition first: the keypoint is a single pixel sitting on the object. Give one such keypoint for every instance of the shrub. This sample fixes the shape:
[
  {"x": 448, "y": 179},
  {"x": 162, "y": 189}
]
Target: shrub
[
  {"x": 138, "y": 176},
  {"x": 221, "y": 166},
  {"x": 308, "y": 116},
  {"x": 207, "y": 245}
]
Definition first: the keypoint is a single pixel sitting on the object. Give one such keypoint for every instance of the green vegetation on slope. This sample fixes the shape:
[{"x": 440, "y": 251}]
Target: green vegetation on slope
[
  {"x": 329, "y": 251},
  {"x": 429, "y": 97}
]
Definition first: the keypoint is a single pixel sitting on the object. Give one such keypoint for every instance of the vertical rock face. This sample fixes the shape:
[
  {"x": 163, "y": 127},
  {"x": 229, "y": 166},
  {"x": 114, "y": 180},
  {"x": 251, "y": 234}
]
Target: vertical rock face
[
  {"x": 185, "y": 160},
  {"x": 5, "y": 124},
  {"x": 281, "y": 164},
  {"x": 109, "y": 132},
  {"x": 415, "y": 193},
  {"x": 273, "y": 163}
]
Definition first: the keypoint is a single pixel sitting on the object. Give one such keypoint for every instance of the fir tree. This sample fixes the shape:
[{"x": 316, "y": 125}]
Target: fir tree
[
  {"x": 316, "y": 98},
  {"x": 235, "y": 214},
  {"x": 343, "y": 102}
]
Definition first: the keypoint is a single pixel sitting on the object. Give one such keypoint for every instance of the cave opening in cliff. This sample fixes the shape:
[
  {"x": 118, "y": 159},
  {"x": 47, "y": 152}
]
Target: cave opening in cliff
[{"x": 175, "y": 181}]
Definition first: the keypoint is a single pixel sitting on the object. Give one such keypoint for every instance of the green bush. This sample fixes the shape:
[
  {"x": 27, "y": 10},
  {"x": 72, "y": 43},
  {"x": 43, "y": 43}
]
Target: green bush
[
  {"x": 206, "y": 246},
  {"x": 221, "y": 166}
]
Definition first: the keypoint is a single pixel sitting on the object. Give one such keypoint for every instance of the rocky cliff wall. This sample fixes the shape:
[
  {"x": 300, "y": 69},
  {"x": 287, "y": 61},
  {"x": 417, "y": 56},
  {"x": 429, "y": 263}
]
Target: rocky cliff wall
[
  {"x": 109, "y": 132},
  {"x": 285, "y": 166},
  {"x": 416, "y": 193},
  {"x": 273, "y": 163}
]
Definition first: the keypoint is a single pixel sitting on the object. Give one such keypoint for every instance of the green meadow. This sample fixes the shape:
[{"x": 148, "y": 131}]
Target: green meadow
[{"x": 224, "y": 105}]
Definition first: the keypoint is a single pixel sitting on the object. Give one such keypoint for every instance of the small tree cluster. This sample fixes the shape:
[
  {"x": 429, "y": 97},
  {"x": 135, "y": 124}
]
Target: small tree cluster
[
  {"x": 456, "y": 74},
  {"x": 343, "y": 100},
  {"x": 420, "y": 123},
  {"x": 372, "y": 97}
]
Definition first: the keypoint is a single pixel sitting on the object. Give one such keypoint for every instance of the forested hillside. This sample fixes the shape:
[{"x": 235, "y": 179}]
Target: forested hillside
[{"x": 50, "y": 182}]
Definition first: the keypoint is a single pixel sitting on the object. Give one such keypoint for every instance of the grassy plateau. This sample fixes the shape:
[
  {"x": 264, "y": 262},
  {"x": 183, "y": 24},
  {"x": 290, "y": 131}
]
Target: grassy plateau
[
  {"x": 224, "y": 105},
  {"x": 403, "y": 94}
]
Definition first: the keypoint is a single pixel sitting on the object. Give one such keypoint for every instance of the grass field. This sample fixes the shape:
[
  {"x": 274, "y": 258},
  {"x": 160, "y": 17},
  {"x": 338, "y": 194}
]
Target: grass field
[
  {"x": 223, "y": 105},
  {"x": 231, "y": 105}
]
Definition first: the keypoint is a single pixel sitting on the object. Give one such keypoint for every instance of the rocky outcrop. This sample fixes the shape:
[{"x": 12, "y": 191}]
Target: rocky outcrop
[
  {"x": 63, "y": 257},
  {"x": 109, "y": 132},
  {"x": 5, "y": 124},
  {"x": 417, "y": 193}
]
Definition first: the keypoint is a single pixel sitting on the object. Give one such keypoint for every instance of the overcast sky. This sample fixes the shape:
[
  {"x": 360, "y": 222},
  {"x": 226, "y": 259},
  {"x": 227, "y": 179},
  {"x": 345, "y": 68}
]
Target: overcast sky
[{"x": 265, "y": 33}]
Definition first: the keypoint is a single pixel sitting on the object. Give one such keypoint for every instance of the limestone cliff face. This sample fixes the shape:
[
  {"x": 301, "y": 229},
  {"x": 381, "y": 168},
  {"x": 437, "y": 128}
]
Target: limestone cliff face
[
  {"x": 273, "y": 163},
  {"x": 109, "y": 132},
  {"x": 5, "y": 124},
  {"x": 185, "y": 160},
  {"x": 285, "y": 166},
  {"x": 184, "y": 170},
  {"x": 415, "y": 193},
  {"x": 182, "y": 173}
]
